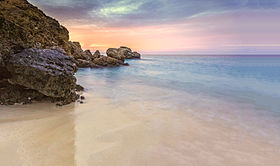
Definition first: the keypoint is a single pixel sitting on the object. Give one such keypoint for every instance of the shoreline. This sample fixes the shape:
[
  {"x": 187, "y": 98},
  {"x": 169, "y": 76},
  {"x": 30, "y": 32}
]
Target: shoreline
[
  {"x": 162, "y": 111},
  {"x": 101, "y": 129}
]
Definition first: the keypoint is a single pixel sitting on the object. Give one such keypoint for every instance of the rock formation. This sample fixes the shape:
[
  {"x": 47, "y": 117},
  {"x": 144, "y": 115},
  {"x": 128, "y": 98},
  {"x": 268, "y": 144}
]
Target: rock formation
[
  {"x": 37, "y": 60},
  {"x": 114, "y": 53},
  {"x": 50, "y": 72},
  {"x": 115, "y": 57},
  {"x": 23, "y": 25},
  {"x": 122, "y": 53},
  {"x": 29, "y": 71},
  {"x": 128, "y": 54},
  {"x": 38, "y": 74},
  {"x": 11, "y": 94}
]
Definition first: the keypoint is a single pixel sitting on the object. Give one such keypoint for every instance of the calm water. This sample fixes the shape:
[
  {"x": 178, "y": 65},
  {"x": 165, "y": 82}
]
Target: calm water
[
  {"x": 242, "y": 90},
  {"x": 160, "y": 110}
]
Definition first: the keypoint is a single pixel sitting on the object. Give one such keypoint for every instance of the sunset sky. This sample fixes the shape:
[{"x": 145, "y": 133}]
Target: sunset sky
[{"x": 171, "y": 26}]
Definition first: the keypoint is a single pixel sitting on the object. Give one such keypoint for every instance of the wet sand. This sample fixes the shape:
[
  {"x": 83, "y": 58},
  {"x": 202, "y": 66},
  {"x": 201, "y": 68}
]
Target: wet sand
[{"x": 105, "y": 133}]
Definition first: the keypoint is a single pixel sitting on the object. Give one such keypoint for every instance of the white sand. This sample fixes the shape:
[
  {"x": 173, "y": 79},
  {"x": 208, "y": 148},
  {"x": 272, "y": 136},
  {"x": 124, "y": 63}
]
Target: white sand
[{"x": 103, "y": 133}]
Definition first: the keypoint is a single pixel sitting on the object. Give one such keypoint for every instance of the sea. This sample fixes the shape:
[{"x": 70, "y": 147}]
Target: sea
[
  {"x": 194, "y": 110},
  {"x": 251, "y": 84}
]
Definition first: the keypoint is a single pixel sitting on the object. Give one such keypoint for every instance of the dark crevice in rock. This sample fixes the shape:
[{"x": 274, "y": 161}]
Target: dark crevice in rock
[
  {"x": 12, "y": 93},
  {"x": 4, "y": 73}
]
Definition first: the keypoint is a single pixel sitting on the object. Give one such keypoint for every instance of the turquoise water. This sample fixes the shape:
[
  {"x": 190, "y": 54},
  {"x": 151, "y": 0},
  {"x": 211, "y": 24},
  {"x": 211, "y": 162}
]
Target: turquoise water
[{"x": 244, "y": 91}]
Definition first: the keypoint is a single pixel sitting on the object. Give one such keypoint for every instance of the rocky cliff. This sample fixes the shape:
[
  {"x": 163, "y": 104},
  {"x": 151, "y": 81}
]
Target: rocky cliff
[
  {"x": 23, "y": 25},
  {"x": 38, "y": 61},
  {"x": 32, "y": 65}
]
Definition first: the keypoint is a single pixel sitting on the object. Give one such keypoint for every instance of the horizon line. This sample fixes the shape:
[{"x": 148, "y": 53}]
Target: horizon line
[{"x": 185, "y": 54}]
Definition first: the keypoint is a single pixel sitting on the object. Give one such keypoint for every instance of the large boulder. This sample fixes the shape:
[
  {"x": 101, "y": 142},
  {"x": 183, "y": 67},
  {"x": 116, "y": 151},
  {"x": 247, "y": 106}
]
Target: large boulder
[
  {"x": 23, "y": 26},
  {"x": 86, "y": 64},
  {"x": 125, "y": 48},
  {"x": 106, "y": 61},
  {"x": 112, "y": 62},
  {"x": 132, "y": 55},
  {"x": 48, "y": 71},
  {"x": 122, "y": 53},
  {"x": 77, "y": 52},
  {"x": 136, "y": 55},
  {"x": 114, "y": 53}
]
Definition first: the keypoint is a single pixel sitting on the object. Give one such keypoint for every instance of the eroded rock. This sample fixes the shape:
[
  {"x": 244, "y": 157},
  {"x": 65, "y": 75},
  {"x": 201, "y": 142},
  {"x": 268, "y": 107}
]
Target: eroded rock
[
  {"x": 11, "y": 94},
  {"x": 122, "y": 53},
  {"x": 47, "y": 71},
  {"x": 136, "y": 55},
  {"x": 96, "y": 54},
  {"x": 23, "y": 25},
  {"x": 86, "y": 63},
  {"x": 33, "y": 56},
  {"x": 114, "y": 53}
]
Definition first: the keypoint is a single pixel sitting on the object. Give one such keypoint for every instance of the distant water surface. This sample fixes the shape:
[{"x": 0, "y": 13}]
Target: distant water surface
[{"x": 251, "y": 83}]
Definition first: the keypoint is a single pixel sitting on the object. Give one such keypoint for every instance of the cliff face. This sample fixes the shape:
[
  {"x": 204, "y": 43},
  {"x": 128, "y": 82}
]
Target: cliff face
[
  {"x": 32, "y": 65},
  {"x": 35, "y": 53},
  {"x": 23, "y": 25}
]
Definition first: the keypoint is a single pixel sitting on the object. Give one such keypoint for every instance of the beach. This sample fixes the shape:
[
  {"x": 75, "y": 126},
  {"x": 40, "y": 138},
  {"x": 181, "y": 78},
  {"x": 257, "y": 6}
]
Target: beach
[
  {"x": 132, "y": 117},
  {"x": 139, "y": 83}
]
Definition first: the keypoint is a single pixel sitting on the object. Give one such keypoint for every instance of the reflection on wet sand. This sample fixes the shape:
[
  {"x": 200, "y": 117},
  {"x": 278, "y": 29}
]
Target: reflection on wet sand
[
  {"x": 138, "y": 134},
  {"x": 102, "y": 133},
  {"x": 37, "y": 135}
]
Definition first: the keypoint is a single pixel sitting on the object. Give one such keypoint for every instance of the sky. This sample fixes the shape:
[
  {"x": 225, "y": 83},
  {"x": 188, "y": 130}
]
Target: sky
[{"x": 171, "y": 26}]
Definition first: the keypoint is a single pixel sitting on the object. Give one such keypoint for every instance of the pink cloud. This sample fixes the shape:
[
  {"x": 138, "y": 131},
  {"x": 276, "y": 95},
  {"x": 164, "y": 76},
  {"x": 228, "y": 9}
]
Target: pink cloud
[{"x": 220, "y": 33}]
